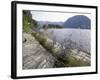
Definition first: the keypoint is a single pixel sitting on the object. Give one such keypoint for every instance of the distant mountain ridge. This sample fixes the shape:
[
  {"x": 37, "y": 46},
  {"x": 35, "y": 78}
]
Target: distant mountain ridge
[
  {"x": 78, "y": 21},
  {"x": 41, "y": 23}
]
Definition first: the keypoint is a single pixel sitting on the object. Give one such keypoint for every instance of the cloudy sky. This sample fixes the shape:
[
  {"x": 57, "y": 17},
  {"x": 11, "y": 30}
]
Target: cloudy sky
[{"x": 53, "y": 16}]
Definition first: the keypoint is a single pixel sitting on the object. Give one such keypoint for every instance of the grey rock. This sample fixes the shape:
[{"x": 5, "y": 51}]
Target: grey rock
[{"x": 34, "y": 56}]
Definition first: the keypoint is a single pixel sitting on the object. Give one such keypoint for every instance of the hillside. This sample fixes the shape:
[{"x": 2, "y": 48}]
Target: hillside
[
  {"x": 28, "y": 22},
  {"x": 78, "y": 21}
]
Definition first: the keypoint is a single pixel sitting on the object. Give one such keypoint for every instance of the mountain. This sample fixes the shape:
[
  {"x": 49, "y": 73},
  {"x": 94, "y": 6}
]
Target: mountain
[
  {"x": 41, "y": 23},
  {"x": 78, "y": 21}
]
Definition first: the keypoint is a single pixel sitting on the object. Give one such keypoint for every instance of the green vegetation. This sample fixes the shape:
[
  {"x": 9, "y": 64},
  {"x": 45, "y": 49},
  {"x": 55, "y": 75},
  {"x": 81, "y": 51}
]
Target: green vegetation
[
  {"x": 74, "y": 62},
  {"x": 49, "y": 46},
  {"x": 64, "y": 56},
  {"x": 43, "y": 41},
  {"x": 28, "y": 22},
  {"x": 62, "y": 53}
]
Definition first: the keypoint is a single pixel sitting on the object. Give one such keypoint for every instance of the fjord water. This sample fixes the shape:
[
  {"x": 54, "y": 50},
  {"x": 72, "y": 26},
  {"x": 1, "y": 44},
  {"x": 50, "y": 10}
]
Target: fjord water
[{"x": 80, "y": 36}]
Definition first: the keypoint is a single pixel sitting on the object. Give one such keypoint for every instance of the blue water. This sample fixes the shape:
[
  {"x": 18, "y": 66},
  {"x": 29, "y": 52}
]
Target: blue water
[{"x": 80, "y": 36}]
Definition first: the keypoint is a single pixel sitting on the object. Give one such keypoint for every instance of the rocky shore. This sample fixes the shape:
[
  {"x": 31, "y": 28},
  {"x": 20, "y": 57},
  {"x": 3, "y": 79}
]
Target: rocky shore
[
  {"x": 34, "y": 55},
  {"x": 41, "y": 53}
]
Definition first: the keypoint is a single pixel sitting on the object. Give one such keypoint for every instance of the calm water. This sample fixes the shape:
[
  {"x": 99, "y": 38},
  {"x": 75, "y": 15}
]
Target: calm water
[{"x": 80, "y": 36}]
